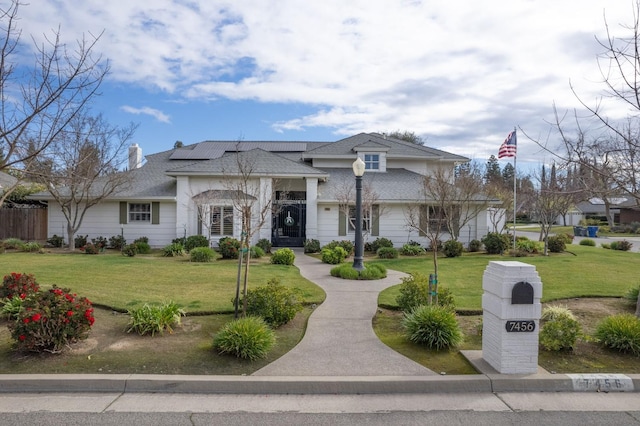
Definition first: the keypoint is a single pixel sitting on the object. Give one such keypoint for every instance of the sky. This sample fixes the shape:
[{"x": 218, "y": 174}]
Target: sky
[{"x": 460, "y": 74}]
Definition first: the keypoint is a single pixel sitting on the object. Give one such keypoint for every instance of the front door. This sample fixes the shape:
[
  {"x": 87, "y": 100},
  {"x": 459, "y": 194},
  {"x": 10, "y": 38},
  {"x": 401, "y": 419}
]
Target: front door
[{"x": 289, "y": 223}]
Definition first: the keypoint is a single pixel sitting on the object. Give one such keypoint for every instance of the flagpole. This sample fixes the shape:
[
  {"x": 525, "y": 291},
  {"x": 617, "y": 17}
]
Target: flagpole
[{"x": 515, "y": 177}]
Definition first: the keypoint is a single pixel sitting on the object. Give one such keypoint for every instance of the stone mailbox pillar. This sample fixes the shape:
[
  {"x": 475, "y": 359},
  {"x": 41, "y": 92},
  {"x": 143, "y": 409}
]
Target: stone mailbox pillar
[{"x": 511, "y": 317}]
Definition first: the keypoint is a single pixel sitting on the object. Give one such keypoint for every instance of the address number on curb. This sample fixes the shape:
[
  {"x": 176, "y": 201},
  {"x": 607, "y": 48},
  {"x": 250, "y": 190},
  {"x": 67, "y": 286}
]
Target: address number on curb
[{"x": 521, "y": 326}]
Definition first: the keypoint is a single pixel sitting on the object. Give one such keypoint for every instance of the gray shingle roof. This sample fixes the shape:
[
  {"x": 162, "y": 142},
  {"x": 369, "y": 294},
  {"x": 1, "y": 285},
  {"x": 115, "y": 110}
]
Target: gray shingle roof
[
  {"x": 257, "y": 161},
  {"x": 397, "y": 148},
  {"x": 208, "y": 150},
  {"x": 394, "y": 185},
  {"x": 6, "y": 180}
]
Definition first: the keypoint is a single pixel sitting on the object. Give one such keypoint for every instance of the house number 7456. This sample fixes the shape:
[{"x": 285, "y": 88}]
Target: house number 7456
[{"x": 521, "y": 326}]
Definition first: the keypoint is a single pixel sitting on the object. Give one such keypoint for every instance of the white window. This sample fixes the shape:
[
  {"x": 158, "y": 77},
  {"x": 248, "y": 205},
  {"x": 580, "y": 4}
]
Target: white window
[
  {"x": 366, "y": 219},
  {"x": 140, "y": 212},
  {"x": 372, "y": 161},
  {"x": 222, "y": 220}
]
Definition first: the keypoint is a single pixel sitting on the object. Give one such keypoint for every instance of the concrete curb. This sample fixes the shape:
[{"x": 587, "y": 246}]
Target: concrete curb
[{"x": 316, "y": 385}]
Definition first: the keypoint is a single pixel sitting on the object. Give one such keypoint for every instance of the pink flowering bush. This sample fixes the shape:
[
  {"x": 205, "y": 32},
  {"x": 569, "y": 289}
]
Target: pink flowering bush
[
  {"x": 20, "y": 285},
  {"x": 50, "y": 320}
]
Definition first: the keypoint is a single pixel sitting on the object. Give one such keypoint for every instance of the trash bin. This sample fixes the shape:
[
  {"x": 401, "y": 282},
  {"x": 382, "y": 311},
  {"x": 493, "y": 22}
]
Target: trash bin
[
  {"x": 579, "y": 231},
  {"x": 592, "y": 231}
]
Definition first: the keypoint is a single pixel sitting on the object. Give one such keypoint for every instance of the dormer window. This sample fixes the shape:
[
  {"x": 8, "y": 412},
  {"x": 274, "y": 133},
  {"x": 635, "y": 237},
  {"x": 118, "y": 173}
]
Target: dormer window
[{"x": 372, "y": 161}]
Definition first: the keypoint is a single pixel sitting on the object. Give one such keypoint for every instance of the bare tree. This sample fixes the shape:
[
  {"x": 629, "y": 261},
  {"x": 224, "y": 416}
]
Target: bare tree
[
  {"x": 36, "y": 107},
  {"x": 252, "y": 199},
  {"x": 82, "y": 167},
  {"x": 345, "y": 193}
]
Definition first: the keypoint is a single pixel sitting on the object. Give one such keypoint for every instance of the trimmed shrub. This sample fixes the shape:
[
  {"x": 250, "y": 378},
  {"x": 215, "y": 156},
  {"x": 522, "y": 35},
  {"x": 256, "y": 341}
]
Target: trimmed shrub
[
  {"x": 129, "y": 250},
  {"x": 560, "y": 329},
  {"x": 371, "y": 271},
  {"x": 141, "y": 240},
  {"x": 620, "y": 332},
  {"x": 556, "y": 243},
  {"x": 194, "y": 241},
  {"x": 475, "y": 246},
  {"x": 247, "y": 338},
  {"x": 256, "y": 252},
  {"x": 378, "y": 243},
  {"x": 56, "y": 241},
  {"x": 117, "y": 242},
  {"x": 433, "y": 326},
  {"x": 412, "y": 250},
  {"x": 142, "y": 247},
  {"x": 51, "y": 320},
  {"x": 90, "y": 248},
  {"x": 20, "y": 285},
  {"x": 173, "y": 250},
  {"x": 587, "y": 242},
  {"x": 311, "y": 246},
  {"x": 275, "y": 303},
  {"x": 437, "y": 244},
  {"x": 345, "y": 244},
  {"x": 265, "y": 245},
  {"x": 152, "y": 319},
  {"x": 201, "y": 254},
  {"x": 387, "y": 253},
  {"x": 31, "y": 247},
  {"x": 100, "y": 242},
  {"x": 527, "y": 246},
  {"x": 80, "y": 240},
  {"x": 453, "y": 248},
  {"x": 414, "y": 291},
  {"x": 229, "y": 247},
  {"x": 283, "y": 256},
  {"x": 345, "y": 271},
  {"x": 495, "y": 243},
  {"x": 333, "y": 256}
]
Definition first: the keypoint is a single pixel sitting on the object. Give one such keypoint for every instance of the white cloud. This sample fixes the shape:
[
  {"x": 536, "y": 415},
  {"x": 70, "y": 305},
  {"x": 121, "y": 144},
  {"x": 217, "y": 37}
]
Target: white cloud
[
  {"x": 157, "y": 114},
  {"x": 443, "y": 69}
]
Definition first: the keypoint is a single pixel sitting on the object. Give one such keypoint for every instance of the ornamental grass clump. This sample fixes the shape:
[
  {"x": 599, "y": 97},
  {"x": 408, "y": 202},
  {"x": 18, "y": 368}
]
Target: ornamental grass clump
[
  {"x": 433, "y": 326},
  {"x": 51, "y": 320},
  {"x": 152, "y": 319},
  {"x": 247, "y": 338},
  {"x": 620, "y": 332}
]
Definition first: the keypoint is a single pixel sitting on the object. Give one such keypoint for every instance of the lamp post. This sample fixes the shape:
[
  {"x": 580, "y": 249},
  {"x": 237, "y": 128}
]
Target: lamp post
[{"x": 358, "y": 170}]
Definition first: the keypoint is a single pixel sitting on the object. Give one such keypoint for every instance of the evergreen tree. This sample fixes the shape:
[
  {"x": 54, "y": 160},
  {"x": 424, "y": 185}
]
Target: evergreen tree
[{"x": 492, "y": 174}]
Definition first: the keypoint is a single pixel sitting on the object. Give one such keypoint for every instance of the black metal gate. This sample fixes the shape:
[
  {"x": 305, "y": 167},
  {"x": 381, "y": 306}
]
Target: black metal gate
[{"x": 289, "y": 223}]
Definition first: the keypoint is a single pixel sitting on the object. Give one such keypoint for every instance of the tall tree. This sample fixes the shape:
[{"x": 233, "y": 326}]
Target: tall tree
[
  {"x": 492, "y": 174},
  {"x": 37, "y": 106},
  {"x": 81, "y": 168},
  {"x": 406, "y": 136}
]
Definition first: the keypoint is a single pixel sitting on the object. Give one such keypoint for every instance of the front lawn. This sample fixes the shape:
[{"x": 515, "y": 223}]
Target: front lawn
[
  {"x": 119, "y": 282},
  {"x": 588, "y": 272}
]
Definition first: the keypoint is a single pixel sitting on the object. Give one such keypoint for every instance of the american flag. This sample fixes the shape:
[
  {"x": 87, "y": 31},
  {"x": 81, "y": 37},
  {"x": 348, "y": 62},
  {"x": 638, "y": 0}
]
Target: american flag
[{"x": 508, "y": 147}]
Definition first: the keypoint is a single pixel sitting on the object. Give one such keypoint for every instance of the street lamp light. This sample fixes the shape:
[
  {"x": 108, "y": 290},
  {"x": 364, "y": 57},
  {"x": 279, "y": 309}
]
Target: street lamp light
[{"x": 358, "y": 171}]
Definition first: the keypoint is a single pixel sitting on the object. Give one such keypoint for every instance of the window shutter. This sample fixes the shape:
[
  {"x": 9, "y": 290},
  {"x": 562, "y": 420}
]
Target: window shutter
[
  {"x": 424, "y": 220},
  {"x": 342, "y": 224},
  {"x": 155, "y": 213},
  {"x": 375, "y": 220},
  {"x": 123, "y": 212}
]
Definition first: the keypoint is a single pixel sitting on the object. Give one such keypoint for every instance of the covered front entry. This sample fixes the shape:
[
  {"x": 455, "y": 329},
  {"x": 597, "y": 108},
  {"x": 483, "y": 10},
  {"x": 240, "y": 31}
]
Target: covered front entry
[{"x": 289, "y": 223}]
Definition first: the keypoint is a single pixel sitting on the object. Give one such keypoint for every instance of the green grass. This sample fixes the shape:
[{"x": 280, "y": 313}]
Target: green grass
[
  {"x": 123, "y": 283},
  {"x": 592, "y": 272}
]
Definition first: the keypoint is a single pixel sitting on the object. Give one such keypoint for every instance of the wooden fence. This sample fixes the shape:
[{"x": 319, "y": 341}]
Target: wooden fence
[{"x": 27, "y": 224}]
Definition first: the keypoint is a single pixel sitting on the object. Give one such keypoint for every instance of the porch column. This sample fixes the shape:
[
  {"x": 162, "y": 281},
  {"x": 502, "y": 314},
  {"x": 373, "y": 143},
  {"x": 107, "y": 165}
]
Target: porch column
[
  {"x": 312, "y": 208},
  {"x": 266, "y": 196},
  {"x": 185, "y": 222}
]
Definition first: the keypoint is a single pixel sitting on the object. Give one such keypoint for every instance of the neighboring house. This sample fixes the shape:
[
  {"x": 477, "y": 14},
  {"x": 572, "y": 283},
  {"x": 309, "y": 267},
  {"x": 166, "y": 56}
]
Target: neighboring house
[
  {"x": 6, "y": 181},
  {"x": 190, "y": 190},
  {"x": 594, "y": 208}
]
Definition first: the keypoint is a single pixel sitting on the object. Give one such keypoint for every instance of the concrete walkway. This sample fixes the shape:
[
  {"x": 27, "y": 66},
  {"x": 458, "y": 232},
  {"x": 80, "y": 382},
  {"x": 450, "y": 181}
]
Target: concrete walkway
[{"x": 339, "y": 340}]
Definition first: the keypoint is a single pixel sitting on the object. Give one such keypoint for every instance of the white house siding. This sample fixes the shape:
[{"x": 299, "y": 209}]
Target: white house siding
[
  {"x": 104, "y": 221},
  {"x": 328, "y": 216}
]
